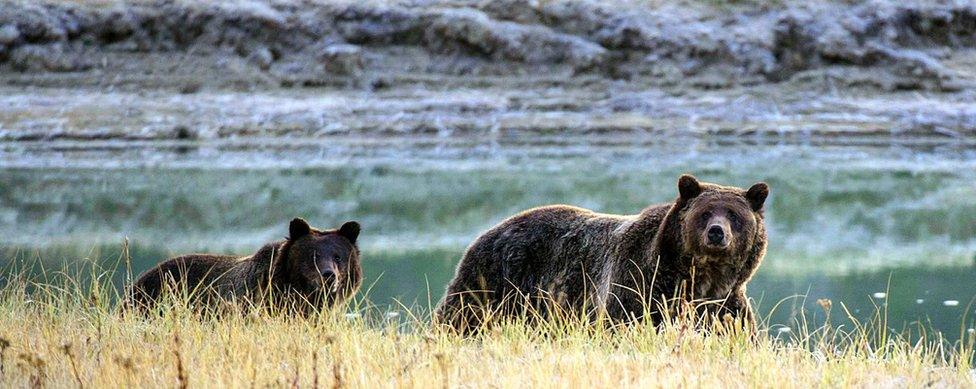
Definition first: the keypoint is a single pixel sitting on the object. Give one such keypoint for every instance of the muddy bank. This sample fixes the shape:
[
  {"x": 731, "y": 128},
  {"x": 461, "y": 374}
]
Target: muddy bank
[
  {"x": 507, "y": 110},
  {"x": 208, "y": 70}
]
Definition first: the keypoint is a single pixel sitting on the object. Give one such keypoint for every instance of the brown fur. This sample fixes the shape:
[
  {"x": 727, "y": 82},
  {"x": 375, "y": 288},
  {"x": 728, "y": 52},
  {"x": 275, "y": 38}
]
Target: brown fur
[
  {"x": 581, "y": 262},
  {"x": 311, "y": 269}
]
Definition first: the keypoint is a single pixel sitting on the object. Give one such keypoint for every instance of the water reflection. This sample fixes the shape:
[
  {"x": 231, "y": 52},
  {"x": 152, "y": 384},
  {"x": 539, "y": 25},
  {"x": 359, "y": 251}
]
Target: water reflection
[{"x": 860, "y": 226}]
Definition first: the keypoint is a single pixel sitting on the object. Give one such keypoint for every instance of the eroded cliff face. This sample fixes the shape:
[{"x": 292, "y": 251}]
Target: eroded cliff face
[
  {"x": 906, "y": 46},
  {"x": 205, "y": 70}
]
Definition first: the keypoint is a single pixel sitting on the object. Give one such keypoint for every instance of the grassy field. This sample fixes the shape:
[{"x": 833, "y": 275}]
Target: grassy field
[{"x": 69, "y": 334}]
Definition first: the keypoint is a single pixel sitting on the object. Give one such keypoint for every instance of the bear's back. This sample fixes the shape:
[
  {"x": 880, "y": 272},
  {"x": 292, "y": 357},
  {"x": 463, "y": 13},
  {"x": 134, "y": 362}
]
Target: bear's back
[
  {"x": 193, "y": 275},
  {"x": 543, "y": 246}
]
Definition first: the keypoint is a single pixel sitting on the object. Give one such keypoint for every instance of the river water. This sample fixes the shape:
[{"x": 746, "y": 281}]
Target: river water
[{"x": 871, "y": 228}]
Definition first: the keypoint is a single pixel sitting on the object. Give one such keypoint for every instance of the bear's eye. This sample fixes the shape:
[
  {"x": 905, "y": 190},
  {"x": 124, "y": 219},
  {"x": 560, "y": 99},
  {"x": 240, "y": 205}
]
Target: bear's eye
[
  {"x": 734, "y": 219},
  {"x": 706, "y": 215},
  {"x": 336, "y": 258}
]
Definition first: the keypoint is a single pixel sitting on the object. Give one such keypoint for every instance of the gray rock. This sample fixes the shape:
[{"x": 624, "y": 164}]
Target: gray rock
[
  {"x": 461, "y": 30},
  {"x": 34, "y": 57},
  {"x": 51, "y": 57},
  {"x": 9, "y": 34},
  {"x": 342, "y": 59},
  {"x": 261, "y": 57},
  {"x": 670, "y": 40}
]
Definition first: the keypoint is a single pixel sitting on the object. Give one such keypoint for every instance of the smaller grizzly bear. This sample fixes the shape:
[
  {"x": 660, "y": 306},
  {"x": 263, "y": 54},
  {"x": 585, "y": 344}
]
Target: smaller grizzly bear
[
  {"x": 701, "y": 249},
  {"x": 310, "y": 270}
]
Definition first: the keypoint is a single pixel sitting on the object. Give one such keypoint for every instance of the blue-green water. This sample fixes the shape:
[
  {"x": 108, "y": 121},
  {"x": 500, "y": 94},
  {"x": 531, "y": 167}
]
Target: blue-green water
[{"x": 845, "y": 223}]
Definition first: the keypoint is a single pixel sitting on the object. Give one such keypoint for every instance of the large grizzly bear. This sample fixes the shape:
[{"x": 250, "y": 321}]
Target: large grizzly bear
[
  {"x": 703, "y": 247},
  {"x": 309, "y": 270}
]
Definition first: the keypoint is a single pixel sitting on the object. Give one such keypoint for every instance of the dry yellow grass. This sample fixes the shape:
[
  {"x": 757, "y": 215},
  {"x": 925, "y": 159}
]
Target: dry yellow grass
[{"x": 71, "y": 336}]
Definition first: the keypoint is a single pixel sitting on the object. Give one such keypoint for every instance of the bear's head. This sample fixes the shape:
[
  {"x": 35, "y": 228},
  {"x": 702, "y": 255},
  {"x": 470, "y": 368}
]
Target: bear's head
[
  {"x": 321, "y": 265},
  {"x": 720, "y": 223}
]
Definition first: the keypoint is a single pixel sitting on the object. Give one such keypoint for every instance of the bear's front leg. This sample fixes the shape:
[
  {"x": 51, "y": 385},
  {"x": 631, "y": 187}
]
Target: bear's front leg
[
  {"x": 737, "y": 312},
  {"x": 732, "y": 314}
]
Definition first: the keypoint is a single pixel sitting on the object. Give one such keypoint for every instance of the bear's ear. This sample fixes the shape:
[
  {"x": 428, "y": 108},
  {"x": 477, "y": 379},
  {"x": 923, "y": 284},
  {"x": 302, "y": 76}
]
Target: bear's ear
[
  {"x": 298, "y": 228},
  {"x": 756, "y": 196},
  {"x": 688, "y": 186},
  {"x": 350, "y": 230}
]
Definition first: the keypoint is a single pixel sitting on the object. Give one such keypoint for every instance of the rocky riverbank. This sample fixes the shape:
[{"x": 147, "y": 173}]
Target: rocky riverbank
[{"x": 165, "y": 69}]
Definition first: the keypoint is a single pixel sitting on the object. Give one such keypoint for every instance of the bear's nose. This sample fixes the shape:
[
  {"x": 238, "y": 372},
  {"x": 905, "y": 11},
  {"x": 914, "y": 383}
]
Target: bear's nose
[
  {"x": 328, "y": 274},
  {"x": 716, "y": 235}
]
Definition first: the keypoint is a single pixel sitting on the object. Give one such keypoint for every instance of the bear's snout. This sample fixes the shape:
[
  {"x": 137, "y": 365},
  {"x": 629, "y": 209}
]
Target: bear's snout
[
  {"x": 328, "y": 274},
  {"x": 328, "y": 277},
  {"x": 716, "y": 236}
]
